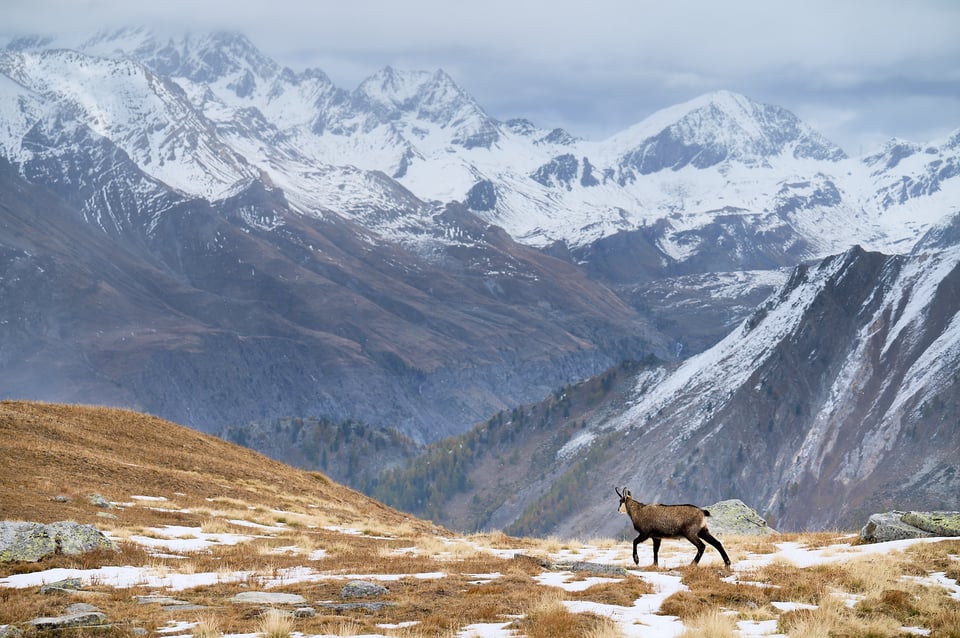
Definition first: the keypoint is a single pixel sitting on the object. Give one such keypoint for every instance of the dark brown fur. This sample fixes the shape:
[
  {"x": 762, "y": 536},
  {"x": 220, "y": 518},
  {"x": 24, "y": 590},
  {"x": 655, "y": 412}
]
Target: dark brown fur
[{"x": 668, "y": 521}]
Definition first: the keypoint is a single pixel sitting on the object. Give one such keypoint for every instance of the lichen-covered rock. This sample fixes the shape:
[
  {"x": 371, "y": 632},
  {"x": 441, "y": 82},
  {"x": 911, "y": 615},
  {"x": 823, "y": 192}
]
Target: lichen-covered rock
[
  {"x": 22, "y": 541},
  {"x": 268, "y": 598},
  {"x": 362, "y": 589},
  {"x": 98, "y": 500},
  {"x": 73, "y": 538},
  {"x": 733, "y": 516},
  {"x": 937, "y": 523},
  {"x": 67, "y": 584},
  {"x": 9, "y": 631},
  {"x": 80, "y": 619},
  {"x": 889, "y": 526}
]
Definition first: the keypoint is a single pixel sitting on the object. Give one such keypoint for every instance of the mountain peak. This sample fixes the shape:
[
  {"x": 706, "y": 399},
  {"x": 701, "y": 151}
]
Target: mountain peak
[
  {"x": 428, "y": 97},
  {"x": 396, "y": 89},
  {"x": 717, "y": 127}
]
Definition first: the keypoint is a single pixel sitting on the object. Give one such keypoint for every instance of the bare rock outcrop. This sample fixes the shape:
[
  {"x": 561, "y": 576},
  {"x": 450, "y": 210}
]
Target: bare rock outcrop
[
  {"x": 22, "y": 541},
  {"x": 892, "y": 526},
  {"x": 733, "y": 516}
]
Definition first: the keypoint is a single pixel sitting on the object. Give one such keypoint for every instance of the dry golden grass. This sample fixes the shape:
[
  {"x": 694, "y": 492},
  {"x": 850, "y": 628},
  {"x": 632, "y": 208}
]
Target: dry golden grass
[
  {"x": 712, "y": 623},
  {"x": 275, "y": 624},
  {"x": 208, "y": 626},
  {"x": 622, "y": 593},
  {"x": 76, "y": 451},
  {"x": 547, "y": 617}
]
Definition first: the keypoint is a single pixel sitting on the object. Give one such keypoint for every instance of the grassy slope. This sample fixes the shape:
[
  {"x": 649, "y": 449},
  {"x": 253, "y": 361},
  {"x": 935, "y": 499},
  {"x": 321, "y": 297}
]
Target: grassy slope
[
  {"x": 51, "y": 450},
  {"x": 47, "y": 450}
]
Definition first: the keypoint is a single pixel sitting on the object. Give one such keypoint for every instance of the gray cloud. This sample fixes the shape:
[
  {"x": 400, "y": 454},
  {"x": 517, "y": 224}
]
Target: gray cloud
[{"x": 859, "y": 71}]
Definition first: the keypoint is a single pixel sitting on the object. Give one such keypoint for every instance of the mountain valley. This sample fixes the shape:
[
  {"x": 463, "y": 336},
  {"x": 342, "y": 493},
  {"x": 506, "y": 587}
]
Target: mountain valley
[{"x": 716, "y": 302}]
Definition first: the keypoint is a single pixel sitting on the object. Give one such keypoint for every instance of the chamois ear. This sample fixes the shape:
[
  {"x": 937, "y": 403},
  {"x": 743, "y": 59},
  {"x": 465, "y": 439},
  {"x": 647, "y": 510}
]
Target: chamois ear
[{"x": 626, "y": 493}]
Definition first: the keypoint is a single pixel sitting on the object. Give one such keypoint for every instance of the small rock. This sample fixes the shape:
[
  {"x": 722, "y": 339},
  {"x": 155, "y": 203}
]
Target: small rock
[
  {"x": 62, "y": 498},
  {"x": 83, "y": 619},
  {"x": 182, "y": 608},
  {"x": 369, "y": 606},
  {"x": 9, "y": 631},
  {"x": 268, "y": 598},
  {"x": 363, "y": 589},
  {"x": 593, "y": 568},
  {"x": 97, "y": 500},
  {"x": 304, "y": 612},
  {"x": 81, "y": 608},
  {"x": 67, "y": 584},
  {"x": 156, "y": 599}
]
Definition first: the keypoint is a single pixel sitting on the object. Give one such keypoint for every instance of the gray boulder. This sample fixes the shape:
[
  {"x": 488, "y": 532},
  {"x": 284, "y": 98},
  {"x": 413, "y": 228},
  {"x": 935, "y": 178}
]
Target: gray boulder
[
  {"x": 67, "y": 584},
  {"x": 895, "y": 526},
  {"x": 362, "y": 589},
  {"x": 937, "y": 523},
  {"x": 78, "y": 619},
  {"x": 98, "y": 500},
  {"x": 268, "y": 598},
  {"x": 733, "y": 516},
  {"x": 30, "y": 542}
]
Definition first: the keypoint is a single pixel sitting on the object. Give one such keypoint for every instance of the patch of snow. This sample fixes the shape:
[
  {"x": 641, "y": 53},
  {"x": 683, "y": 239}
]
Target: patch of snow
[
  {"x": 787, "y": 606},
  {"x": 267, "y": 528},
  {"x": 939, "y": 579},
  {"x": 176, "y": 538},
  {"x": 487, "y": 630},
  {"x": 562, "y": 580},
  {"x": 750, "y": 628},
  {"x": 641, "y": 620}
]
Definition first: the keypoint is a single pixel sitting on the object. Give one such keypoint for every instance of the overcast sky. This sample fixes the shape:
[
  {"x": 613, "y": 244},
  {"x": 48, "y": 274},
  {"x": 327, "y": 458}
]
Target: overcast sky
[{"x": 860, "y": 72}]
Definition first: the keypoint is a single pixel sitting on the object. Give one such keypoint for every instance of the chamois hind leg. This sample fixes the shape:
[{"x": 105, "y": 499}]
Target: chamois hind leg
[
  {"x": 700, "y": 547},
  {"x": 707, "y": 536},
  {"x": 656, "y": 550}
]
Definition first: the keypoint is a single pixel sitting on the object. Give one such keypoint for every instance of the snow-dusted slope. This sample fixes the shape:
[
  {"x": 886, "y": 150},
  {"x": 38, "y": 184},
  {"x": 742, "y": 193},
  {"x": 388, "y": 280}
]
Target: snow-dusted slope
[
  {"x": 835, "y": 398},
  {"x": 146, "y": 115}
]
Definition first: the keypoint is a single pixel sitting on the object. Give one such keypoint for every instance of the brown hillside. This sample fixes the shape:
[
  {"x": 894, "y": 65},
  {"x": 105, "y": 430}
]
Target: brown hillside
[{"x": 51, "y": 450}]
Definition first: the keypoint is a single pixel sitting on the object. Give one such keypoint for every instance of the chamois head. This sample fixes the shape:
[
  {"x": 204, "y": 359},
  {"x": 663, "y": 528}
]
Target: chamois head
[{"x": 623, "y": 499}]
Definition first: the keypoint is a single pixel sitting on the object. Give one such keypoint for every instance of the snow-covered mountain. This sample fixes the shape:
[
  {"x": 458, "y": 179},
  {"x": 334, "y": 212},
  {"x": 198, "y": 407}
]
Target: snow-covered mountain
[
  {"x": 209, "y": 271},
  {"x": 213, "y": 167},
  {"x": 692, "y": 171}
]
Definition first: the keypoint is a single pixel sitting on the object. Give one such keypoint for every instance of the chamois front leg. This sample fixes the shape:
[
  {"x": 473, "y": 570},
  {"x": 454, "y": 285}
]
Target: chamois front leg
[
  {"x": 639, "y": 539},
  {"x": 656, "y": 550},
  {"x": 700, "y": 547}
]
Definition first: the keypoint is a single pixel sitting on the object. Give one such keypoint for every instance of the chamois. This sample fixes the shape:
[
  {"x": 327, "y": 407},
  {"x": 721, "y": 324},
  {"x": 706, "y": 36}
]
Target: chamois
[{"x": 668, "y": 521}]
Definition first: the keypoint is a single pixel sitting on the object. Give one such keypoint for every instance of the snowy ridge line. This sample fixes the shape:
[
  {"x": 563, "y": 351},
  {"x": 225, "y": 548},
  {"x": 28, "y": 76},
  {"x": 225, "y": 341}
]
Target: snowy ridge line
[{"x": 208, "y": 129}]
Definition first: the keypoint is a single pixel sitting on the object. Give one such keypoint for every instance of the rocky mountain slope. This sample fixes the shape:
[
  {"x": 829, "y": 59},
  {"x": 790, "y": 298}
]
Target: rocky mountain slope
[
  {"x": 194, "y": 230},
  {"x": 834, "y": 400},
  {"x": 215, "y": 320}
]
